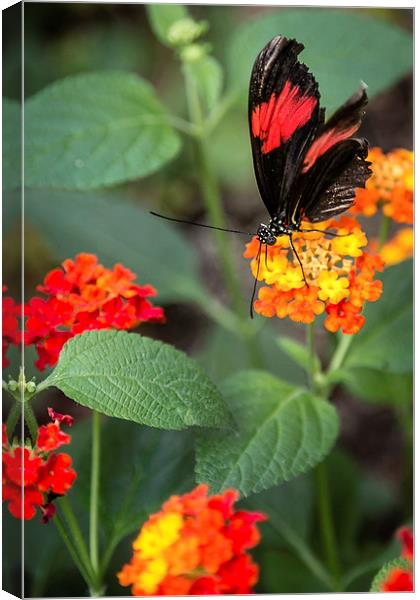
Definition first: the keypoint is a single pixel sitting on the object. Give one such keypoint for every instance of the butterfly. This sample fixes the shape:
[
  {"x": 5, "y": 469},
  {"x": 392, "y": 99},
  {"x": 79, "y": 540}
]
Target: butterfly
[{"x": 306, "y": 168}]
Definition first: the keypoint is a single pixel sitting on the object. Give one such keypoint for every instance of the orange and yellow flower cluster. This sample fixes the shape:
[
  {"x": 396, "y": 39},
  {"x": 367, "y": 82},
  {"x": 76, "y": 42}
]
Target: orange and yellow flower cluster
[
  {"x": 340, "y": 276},
  {"x": 34, "y": 476},
  {"x": 196, "y": 545},
  {"x": 390, "y": 188},
  {"x": 400, "y": 579},
  {"x": 84, "y": 295}
]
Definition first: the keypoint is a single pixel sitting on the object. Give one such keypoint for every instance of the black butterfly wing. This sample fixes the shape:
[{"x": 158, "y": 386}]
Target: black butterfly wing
[
  {"x": 284, "y": 116},
  {"x": 329, "y": 187},
  {"x": 344, "y": 123}
]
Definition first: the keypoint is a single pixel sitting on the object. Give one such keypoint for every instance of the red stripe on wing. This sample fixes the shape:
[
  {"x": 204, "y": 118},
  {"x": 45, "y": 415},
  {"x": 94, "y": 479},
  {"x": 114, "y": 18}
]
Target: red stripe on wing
[
  {"x": 324, "y": 143},
  {"x": 275, "y": 121}
]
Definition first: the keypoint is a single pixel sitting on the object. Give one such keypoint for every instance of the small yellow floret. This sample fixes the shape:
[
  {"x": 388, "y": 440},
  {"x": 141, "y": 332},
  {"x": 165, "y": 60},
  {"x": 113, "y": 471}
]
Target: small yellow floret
[
  {"x": 331, "y": 287},
  {"x": 150, "y": 577},
  {"x": 291, "y": 279},
  {"x": 349, "y": 245},
  {"x": 158, "y": 535}
]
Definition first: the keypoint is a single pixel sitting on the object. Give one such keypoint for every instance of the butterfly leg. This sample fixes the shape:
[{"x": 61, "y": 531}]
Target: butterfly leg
[
  {"x": 251, "y": 312},
  {"x": 298, "y": 259}
]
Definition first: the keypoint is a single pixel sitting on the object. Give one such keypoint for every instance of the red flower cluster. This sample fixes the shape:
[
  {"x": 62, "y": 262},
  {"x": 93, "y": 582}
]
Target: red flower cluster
[
  {"x": 196, "y": 545},
  {"x": 39, "y": 472},
  {"x": 10, "y": 325},
  {"x": 85, "y": 295},
  {"x": 400, "y": 579}
]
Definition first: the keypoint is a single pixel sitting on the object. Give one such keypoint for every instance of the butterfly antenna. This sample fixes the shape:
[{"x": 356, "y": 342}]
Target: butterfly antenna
[
  {"x": 155, "y": 214},
  {"x": 326, "y": 231},
  {"x": 298, "y": 259},
  {"x": 251, "y": 312}
]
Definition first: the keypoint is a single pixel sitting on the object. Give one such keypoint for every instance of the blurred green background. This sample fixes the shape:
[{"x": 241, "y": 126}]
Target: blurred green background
[{"x": 371, "y": 494}]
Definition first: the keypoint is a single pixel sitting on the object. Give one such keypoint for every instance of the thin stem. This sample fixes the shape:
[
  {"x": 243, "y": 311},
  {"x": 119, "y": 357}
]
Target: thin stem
[
  {"x": 94, "y": 490},
  {"x": 340, "y": 352},
  {"x": 78, "y": 540},
  {"x": 212, "y": 198},
  {"x": 220, "y": 110},
  {"x": 311, "y": 353},
  {"x": 384, "y": 231},
  {"x": 302, "y": 550},
  {"x": 326, "y": 524},
  {"x": 30, "y": 421},
  {"x": 13, "y": 418},
  {"x": 71, "y": 548}
]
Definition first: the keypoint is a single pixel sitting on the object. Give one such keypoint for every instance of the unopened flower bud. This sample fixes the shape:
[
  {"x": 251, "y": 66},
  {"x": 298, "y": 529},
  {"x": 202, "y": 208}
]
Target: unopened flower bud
[
  {"x": 193, "y": 53},
  {"x": 185, "y": 31},
  {"x": 31, "y": 387}
]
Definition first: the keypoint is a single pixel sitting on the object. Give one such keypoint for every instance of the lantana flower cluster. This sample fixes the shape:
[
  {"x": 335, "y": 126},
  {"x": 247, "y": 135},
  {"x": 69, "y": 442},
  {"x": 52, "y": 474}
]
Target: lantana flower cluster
[
  {"x": 390, "y": 189},
  {"x": 195, "y": 545},
  {"x": 83, "y": 295},
  {"x": 340, "y": 276},
  {"x": 38, "y": 473},
  {"x": 401, "y": 579}
]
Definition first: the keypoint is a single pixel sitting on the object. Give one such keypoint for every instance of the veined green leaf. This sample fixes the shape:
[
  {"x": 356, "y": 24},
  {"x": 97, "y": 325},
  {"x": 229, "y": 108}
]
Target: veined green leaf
[
  {"x": 94, "y": 130},
  {"x": 132, "y": 377},
  {"x": 283, "y": 431}
]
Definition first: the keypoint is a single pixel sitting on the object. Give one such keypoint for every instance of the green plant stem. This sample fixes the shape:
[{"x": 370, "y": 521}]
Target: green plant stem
[
  {"x": 13, "y": 418},
  {"x": 340, "y": 352},
  {"x": 311, "y": 352},
  {"x": 78, "y": 540},
  {"x": 31, "y": 421},
  {"x": 384, "y": 231},
  {"x": 72, "y": 550},
  {"x": 220, "y": 110},
  {"x": 94, "y": 490},
  {"x": 211, "y": 195},
  {"x": 326, "y": 524}
]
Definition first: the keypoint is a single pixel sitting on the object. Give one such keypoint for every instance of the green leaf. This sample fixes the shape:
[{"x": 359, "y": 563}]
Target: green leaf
[
  {"x": 208, "y": 76},
  {"x": 297, "y": 352},
  {"x": 342, "y": 47},
  {"x": 373, "y": 385},
  {"x": 132, "y": 377},
  {"x": 380, "y": 578},
  {"x": 283, "y": 431},
  {"x": 224, "y": 354},
  {"x": 74, "y": 222},
  {"x": 94, "y": 130},
  {"x": 12, "y": 132},
  {"x": 162, "y": 16},
  {"x": 386, "y": 341}
]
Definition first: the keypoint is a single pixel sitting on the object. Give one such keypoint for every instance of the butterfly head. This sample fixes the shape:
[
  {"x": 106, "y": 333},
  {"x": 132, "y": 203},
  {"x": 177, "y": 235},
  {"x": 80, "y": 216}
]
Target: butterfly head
[{"x": 265, "y": 235}]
